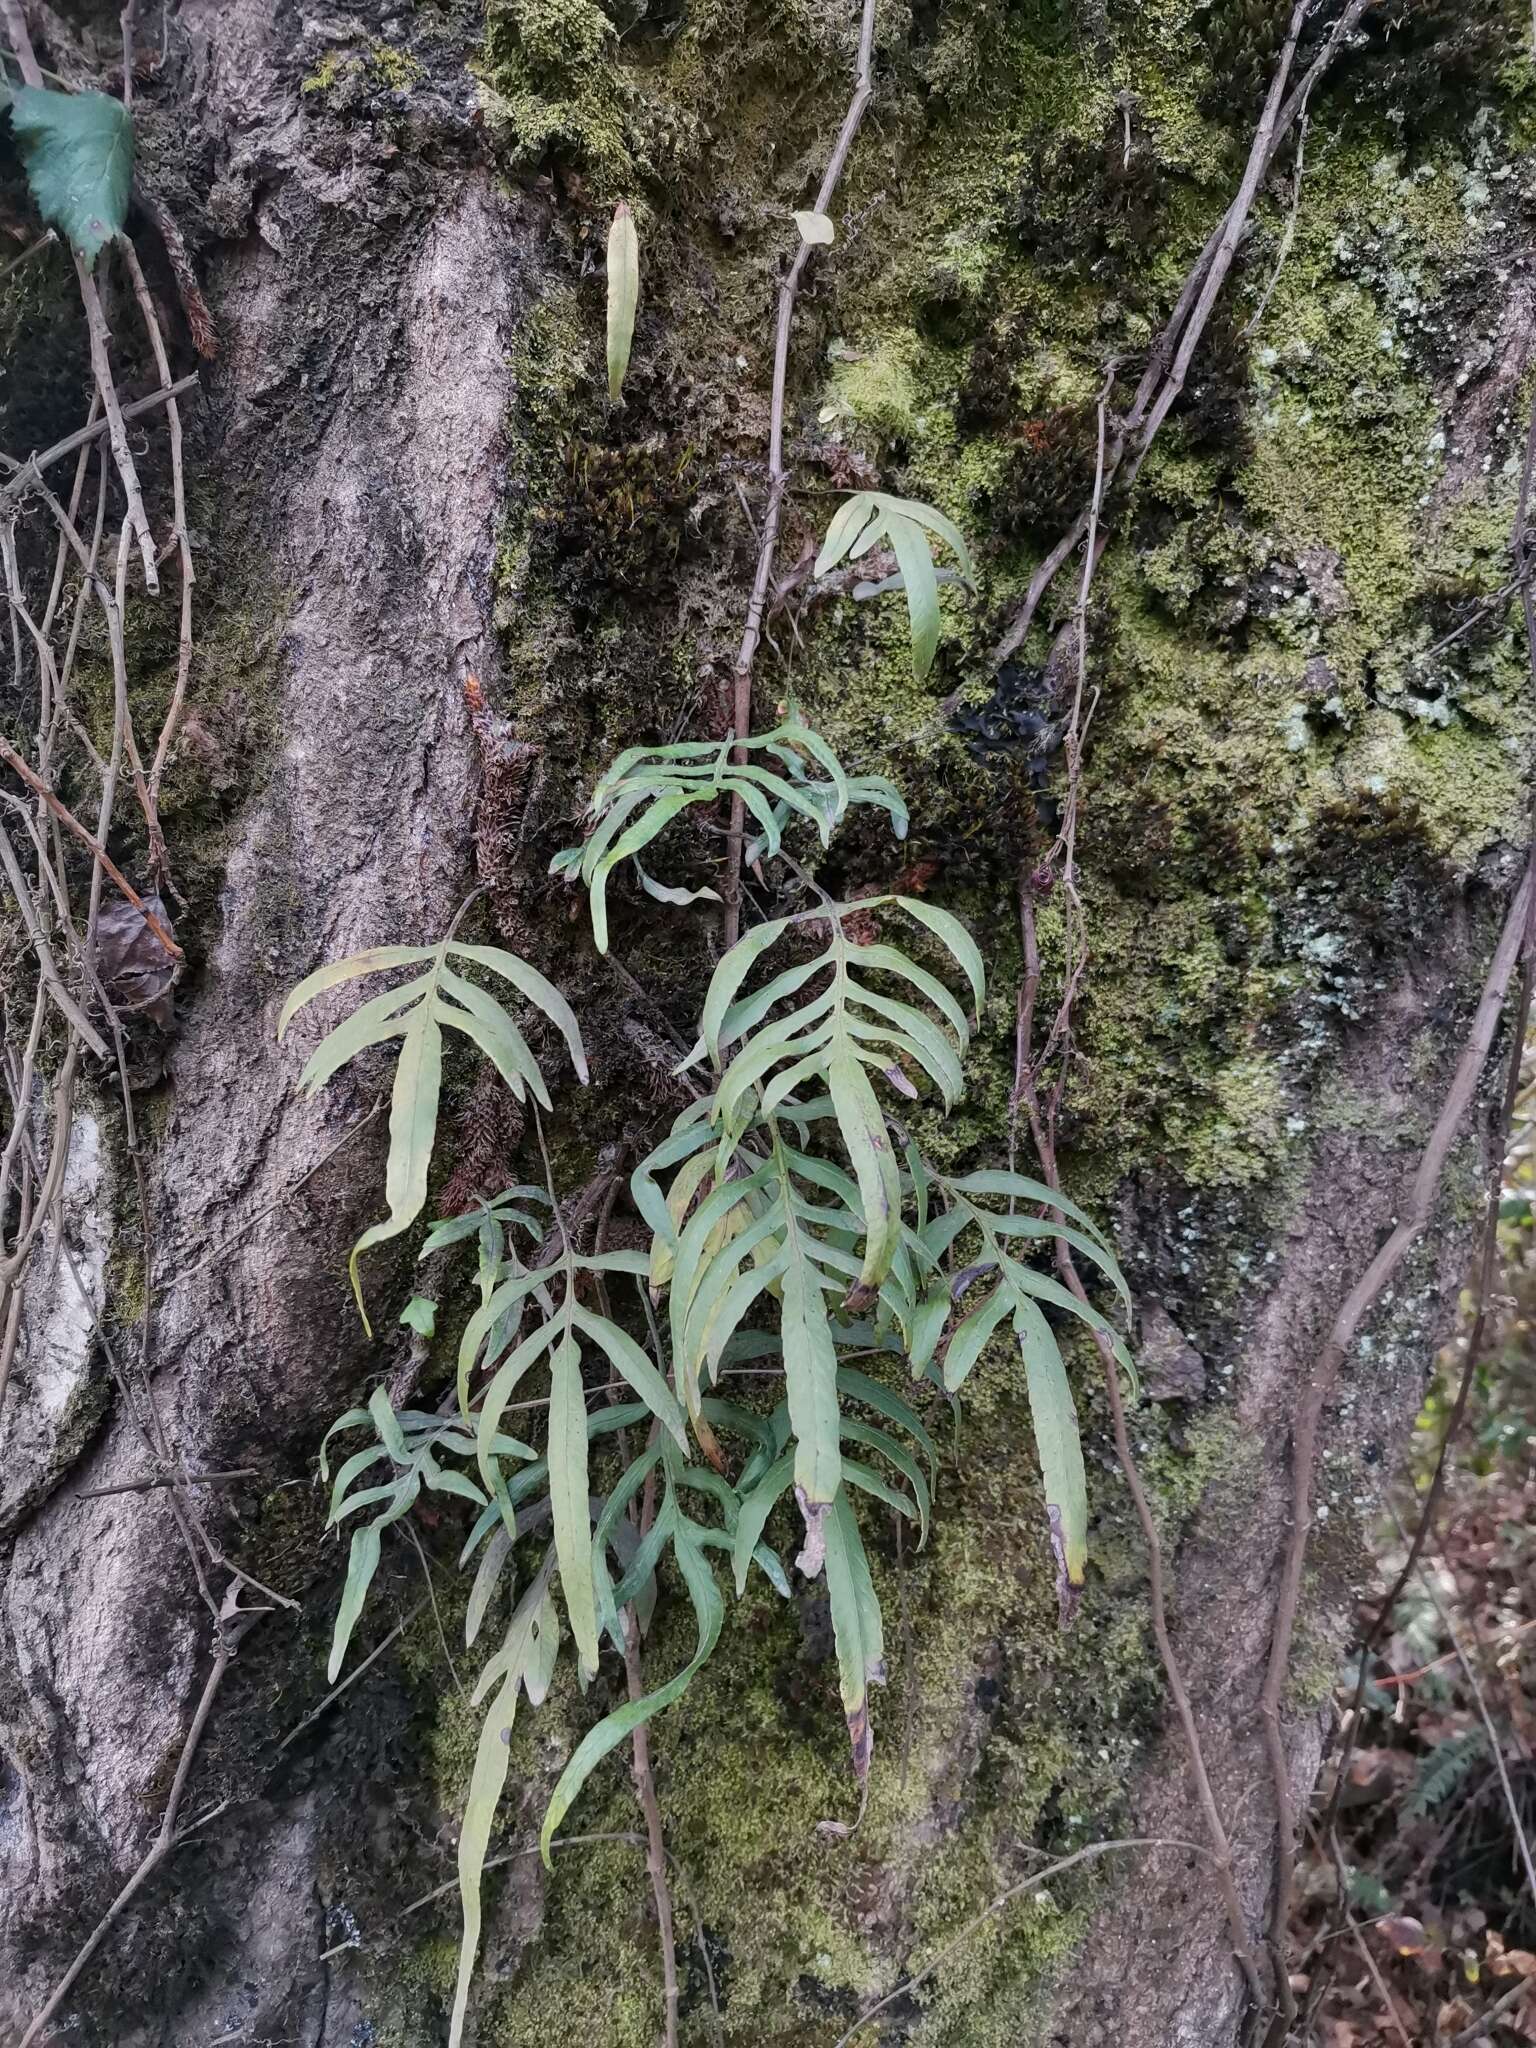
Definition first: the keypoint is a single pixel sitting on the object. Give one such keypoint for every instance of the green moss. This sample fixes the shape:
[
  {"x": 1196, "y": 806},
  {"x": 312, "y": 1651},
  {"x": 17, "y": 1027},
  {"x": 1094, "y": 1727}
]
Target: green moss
[
  {"x": 550, "y": 83},
  {"x": 877, "y": 388},
  {"x": 397, "y": 70},
  {"x": 333, "y": 66}
]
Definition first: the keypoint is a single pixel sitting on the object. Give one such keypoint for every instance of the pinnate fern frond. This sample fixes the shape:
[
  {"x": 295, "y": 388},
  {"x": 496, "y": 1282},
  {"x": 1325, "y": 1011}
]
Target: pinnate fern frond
[
  {"x": 647, "y": 787},
  {"x": 417, "y": 1013}
]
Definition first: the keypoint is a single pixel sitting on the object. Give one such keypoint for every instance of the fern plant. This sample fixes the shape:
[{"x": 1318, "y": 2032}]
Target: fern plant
[
  {"x": 868, "y": 519},
  {"x": 647, "y": 787},
  {"x": 793, "y": 1222}
]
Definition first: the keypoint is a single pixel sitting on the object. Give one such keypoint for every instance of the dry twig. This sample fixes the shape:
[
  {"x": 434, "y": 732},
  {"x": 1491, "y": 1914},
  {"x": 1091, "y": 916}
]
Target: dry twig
[
  {"x": 778, "y": 479},
  {"x": 1169, "y": 362}
]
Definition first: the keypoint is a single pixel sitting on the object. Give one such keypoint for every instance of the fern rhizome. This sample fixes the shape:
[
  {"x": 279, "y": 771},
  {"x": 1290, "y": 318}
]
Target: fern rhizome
[{"x": 794, "y": 1224}]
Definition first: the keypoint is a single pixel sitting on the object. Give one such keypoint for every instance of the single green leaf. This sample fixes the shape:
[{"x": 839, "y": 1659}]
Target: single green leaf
[
  {"x": 868, "y": 1143},
  {"x": 387, "y": 1423},
  {"x": 1017, "y": 1187},
  {"x": 382, "y": 1017},
  {"x": 816, "y": 229},
  {"x": 78, "y": 153},
  {"x": 632, "y": 1365},
  {"x": 623, "y": 295},
  {"x": 922, "y": 588},
  {"x": 859, "y": 1650},
  {"x": 519, "y": 1660},
  {"x": 420, "y": 1315},
  {"x": 927, "y": 1328},
  {"x": 374, "y": 961},
  {"x": 493, "y": 1561},
  {"x": 412, "y": 1127},
  {"x": 968, "y": 1342},
  {"x": 852, "y": 514},
  {"x": 756, "y": 1507},
  {"x": 954, "y": 937},
  {"x": 665, "y": 892},
  {"x": 810, "y": 1380},
  {"x": 362, "y": 1563},
  {"x": 1060, "y": 1451},
  {"x": 569, "y": 1496},
  {"x": 1043, "y": 1229},
  {"x": 870, "y": 1481},
  {"x": 440, "y": 1481}
]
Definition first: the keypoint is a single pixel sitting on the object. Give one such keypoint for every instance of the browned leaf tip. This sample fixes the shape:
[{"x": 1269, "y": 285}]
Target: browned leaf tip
[
  {"x": 709, "y": 1444},
  {"x": 1068, "y": 1593},
  {"x": 861, "y": 1740}
]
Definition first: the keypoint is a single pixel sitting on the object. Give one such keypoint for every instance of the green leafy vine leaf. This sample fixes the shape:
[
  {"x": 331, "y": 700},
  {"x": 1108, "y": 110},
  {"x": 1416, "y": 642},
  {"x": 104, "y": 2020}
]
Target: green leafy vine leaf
[{"x": 78, "y": 153}]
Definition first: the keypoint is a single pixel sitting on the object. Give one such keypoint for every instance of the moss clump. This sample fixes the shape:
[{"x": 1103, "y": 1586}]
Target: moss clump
[
  {"x": 344, "y": 79},
  {"x": 551, "y": 85}
]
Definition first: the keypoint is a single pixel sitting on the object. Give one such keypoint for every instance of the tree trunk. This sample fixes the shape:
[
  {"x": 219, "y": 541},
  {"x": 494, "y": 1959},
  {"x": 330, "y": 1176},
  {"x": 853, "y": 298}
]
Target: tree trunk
[{"x": 1296, "y": 848}]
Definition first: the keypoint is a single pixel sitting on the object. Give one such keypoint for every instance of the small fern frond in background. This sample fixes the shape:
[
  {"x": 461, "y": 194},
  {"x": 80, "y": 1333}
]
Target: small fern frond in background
[
  {"x": 647, "y": 787},
  {"x": 862, "y": 522},
  {"x": 412, "y": 1445},
  {"x": 416, "y": 1013}
]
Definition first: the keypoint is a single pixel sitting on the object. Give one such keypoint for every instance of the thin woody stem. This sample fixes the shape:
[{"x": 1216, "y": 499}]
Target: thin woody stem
[{"x": 778, "y": 479}]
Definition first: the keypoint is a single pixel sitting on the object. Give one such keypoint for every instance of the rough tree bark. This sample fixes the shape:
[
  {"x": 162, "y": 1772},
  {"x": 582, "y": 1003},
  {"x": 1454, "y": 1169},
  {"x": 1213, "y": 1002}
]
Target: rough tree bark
[{"x": 1296, "y": 847}]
